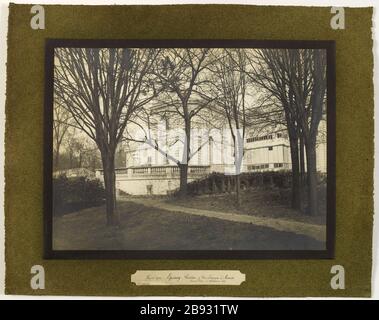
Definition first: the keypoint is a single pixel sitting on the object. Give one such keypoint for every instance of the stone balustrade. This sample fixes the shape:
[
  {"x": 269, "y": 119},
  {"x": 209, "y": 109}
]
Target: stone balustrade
[{"x": 157, "y": 171}]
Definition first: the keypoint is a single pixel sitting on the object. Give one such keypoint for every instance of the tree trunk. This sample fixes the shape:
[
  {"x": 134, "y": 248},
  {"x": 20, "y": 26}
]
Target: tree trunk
[
  {"x": 183, "y": 168},
  {"x": 312, "y": 178},
  {"x": 115, "y": 192},
  {"x": 259, "y": 179},
  {"x": 296, "y": 199},
  {"x": 214, "y": 185},
  {"x": 223, "y": 184},
  {"x": 71, "y": 160},
  {"x": 228, "y": 185},
  {"x": 302, "y": 171},
  {"x": 80, "y": 159},
  {"x": 110, "y": 182},
  {"x": 238, "y": 190},
  {"x": 302, "y": 160},
  {"x": 56, "y": 159}
]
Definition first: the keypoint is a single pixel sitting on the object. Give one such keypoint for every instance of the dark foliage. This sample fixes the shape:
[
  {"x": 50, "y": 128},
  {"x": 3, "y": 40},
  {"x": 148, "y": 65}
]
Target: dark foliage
[
  {"x": 72, "y": 194},
  {"x": 220, "y": 183}
]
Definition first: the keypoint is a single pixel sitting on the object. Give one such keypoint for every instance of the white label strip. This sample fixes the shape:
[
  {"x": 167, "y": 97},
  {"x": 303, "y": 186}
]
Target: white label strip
[{"x": 187, "y": 277}]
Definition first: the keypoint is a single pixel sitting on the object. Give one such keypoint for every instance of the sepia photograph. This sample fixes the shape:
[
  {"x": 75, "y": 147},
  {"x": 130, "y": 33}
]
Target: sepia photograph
[{"x": 176, "y": 149}]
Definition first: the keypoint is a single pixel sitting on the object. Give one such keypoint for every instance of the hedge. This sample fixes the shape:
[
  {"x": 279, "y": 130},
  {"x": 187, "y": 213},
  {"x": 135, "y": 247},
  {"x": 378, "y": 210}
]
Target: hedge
[
  {"x": 72, "y": 194},
  {"x": 219, "y": 183}
]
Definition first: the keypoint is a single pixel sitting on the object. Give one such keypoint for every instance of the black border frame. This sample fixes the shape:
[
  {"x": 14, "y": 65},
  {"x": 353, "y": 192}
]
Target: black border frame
[{"x": 328, "y": 253}]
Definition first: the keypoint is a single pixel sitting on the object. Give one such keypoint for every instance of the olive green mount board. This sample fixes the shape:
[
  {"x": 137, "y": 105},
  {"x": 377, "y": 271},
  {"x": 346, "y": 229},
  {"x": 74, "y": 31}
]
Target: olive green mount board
[{"x": 264, "y": 278}]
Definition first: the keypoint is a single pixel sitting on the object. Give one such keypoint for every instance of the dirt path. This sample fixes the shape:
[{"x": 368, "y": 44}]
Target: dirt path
[
  {"x": 317, "y": 232},
  {"x": 144, "y": 227}
]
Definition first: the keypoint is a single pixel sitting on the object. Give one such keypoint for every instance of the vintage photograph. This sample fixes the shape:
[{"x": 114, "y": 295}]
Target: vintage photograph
[{"x": 189, "y": 148}]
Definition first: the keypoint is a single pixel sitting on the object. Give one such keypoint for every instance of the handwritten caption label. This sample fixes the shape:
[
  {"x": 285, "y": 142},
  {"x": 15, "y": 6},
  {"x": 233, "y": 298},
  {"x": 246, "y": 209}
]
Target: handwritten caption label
[{"x": 187, "y": 277}]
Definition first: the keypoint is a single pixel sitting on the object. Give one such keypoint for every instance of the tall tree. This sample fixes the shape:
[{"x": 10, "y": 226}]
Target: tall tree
[
  {"x": 61, "y": 123},
  {"x": 307, "y": 70},
  {"x": 102, "y": 88},
  {"x": 228, "y": 88},
  {"x": 268, "y": 70},
  {"x": 181, "y": 76},
  {"x": 297, "y": 78}
]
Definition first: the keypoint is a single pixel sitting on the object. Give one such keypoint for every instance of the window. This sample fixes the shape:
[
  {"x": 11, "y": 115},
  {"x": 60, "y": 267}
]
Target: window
[
  {"x": 269, "y": 148},
  {"x": 262, "y": 138}
]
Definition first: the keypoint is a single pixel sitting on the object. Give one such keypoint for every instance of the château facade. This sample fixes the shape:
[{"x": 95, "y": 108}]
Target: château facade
[
  {"x": 269, "y": 151},
  {"x": 152, "y": 168}
]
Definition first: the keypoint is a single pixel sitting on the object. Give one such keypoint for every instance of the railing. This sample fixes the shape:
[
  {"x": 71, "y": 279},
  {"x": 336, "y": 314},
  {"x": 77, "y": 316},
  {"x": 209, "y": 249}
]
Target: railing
[
  {"x": 140, "y": 171},
  {"x": 159, "y": 171},
  {"x": 175, "y": 170},
  {"x": 122, "y": 171},
  {"x": 199, "y": 170}
]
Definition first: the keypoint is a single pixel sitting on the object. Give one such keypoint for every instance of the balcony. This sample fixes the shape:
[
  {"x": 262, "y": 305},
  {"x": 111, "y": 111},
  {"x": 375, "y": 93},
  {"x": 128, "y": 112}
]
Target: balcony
[{"x": 157, "y": 171}]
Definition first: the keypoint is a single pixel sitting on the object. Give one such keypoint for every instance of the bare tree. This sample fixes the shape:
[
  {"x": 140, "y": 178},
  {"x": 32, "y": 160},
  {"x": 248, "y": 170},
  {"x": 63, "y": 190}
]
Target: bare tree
[
  {"x": 80, "y": 151},
  {"x": 163, "y": 142},
  {"x": 228, "y": 88},
  {"x": 308, "y": 71},
  {"x": 297, "y": 79},
  {"x": 74, "y": 146},
  {"x": 268, "y": 70},
  {"x": 61, "y": 123},
  {"x": 102, "y": 89},
  {"x": 180, "y": 75}
]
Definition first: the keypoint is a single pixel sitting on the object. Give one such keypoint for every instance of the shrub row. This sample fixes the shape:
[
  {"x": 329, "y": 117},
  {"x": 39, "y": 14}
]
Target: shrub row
[
  {"x": 72, "y": 194},
  {"x": 218, "y": 182}
]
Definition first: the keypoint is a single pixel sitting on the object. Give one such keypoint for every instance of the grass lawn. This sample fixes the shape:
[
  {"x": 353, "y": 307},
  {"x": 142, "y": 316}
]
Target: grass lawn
[
  {"x": 265, "y": 202},
  {"x": 144, "y": 228}
]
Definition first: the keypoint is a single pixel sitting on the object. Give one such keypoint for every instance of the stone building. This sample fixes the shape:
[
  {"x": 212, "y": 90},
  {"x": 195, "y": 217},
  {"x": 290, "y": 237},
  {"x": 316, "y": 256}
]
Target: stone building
[{"x": 152, "y": 168}]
